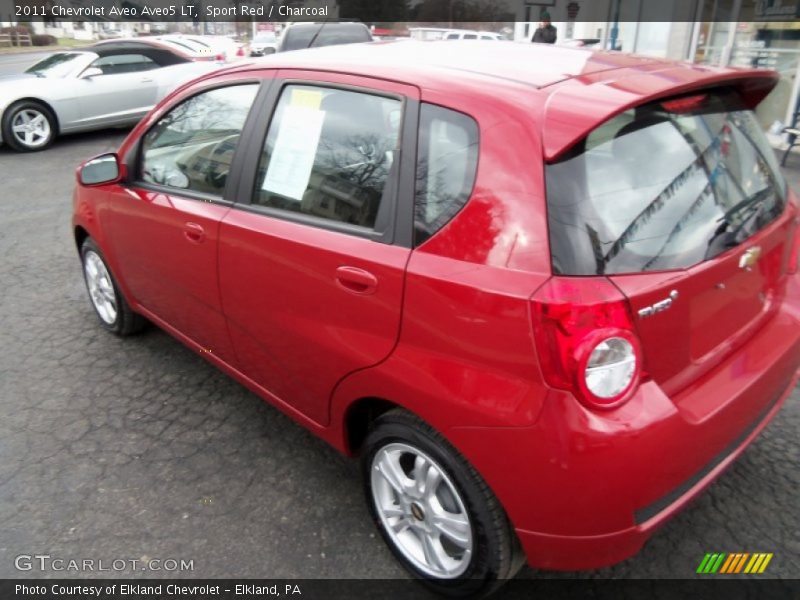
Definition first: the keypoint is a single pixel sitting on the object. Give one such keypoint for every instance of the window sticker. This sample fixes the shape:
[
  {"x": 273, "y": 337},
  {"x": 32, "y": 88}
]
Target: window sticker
[
  {"x": 306, "y": 98},
  {"x": 295, "y": 149}
]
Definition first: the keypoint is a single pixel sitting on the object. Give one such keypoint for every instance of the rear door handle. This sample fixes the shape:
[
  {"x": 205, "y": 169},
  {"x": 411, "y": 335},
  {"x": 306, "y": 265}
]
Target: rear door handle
[
  {"x": 147, "y": 79},
  {"x": 194, "y": 233},
  {"x": 357, "y": 281}
]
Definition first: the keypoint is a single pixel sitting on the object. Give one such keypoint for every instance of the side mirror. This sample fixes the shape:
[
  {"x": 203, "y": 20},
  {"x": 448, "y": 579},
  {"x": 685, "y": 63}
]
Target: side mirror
[
  {"x": 91, "y": 72},
  {"x": 101, "y": 169}
]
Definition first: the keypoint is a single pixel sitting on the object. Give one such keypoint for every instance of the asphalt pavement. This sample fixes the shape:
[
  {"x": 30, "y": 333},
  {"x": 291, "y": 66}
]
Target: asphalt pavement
[{"x": 134, "y": 449}]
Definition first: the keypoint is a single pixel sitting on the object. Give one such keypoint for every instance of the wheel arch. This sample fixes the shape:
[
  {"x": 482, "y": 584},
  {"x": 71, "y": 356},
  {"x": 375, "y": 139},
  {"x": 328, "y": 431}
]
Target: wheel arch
[
  {"x": 80, "y": 234},
  {"x": 358, "y": 418}
]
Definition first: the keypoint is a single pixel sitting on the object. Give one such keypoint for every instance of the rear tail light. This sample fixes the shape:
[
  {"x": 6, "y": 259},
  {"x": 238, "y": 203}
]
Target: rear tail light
[
  {"x": 685, "y": 104},
  {"x": 586, "y": 341}
]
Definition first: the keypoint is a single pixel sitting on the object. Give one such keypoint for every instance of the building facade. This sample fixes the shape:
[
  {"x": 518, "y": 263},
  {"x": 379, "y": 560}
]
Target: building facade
[{"x": 748, "y": 33}]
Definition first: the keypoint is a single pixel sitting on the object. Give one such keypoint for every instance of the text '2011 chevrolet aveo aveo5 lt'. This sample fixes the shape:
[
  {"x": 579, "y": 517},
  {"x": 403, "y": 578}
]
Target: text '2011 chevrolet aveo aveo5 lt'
[{"x": 514, "y": 280}]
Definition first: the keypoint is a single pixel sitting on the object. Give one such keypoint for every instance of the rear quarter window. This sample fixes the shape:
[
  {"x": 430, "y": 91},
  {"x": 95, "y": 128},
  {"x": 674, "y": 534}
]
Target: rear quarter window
[
  {"x": 447, "y": 162},
  {"x": 663, "y": 186}
]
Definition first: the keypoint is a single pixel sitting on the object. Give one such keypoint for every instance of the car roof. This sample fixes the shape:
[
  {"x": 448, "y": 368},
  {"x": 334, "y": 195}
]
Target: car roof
[
  {"x": 535, "y": 65},
  {"x": 576, "y": 89}
]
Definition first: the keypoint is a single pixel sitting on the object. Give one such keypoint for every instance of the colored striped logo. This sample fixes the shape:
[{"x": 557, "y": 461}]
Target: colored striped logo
[{"x": 735, "y": 562}]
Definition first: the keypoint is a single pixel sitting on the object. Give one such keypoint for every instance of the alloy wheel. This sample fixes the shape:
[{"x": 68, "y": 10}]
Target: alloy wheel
[
  {"x": 421, "y": 510},
  {"x": 101, "y": 290},
  {"x": 31, "y": 128}
]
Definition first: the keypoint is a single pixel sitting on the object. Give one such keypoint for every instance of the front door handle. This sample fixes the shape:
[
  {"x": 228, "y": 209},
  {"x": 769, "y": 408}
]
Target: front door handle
[
  {"x": 194, "y": 233},
  {"x": 147, "y": 79},
  {"x": 357, "y": 281}
]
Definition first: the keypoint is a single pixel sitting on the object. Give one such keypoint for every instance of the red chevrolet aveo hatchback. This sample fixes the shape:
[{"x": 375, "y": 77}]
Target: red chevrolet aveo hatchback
[{"x": 546, "y": 294}]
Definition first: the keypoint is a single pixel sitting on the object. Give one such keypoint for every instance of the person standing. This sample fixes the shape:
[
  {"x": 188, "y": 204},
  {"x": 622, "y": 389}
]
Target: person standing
[{"x": 545, "y": 33}]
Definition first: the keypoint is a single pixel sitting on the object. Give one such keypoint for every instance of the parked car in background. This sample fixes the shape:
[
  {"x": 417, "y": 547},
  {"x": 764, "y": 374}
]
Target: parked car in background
[
  {"x": 186, "y": 50},
  {"x": 542, "y": 342},
  {"x": 299, "y": 36},
  {"x": 206, "y": 47},
  {"x": 223, "y": 47},
  {"x": 108, "y": 84},
  {"x": 428, "y": 34},
  {"x": 193, "y": 47},
  {"x": 264, "y": 43},
  {"x": 466, "y": 34},
  {"x": 383, "y": 34}
]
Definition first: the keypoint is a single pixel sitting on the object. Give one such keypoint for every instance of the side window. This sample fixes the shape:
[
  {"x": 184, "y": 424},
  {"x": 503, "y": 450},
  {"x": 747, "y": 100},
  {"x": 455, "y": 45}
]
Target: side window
[
  {"x": 124, "y": 63},
  {"x": 330, "y": 154},
  {"x": 191, "y": 147},
  {"x": 470, "y": 36},
  {"x": 452, "y": 36},
  {"x": 447, "y": 161}
]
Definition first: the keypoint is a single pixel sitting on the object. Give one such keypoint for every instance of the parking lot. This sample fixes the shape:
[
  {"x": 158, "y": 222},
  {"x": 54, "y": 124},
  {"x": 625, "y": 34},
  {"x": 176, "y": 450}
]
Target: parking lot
[{"x": 137, "y": 448}]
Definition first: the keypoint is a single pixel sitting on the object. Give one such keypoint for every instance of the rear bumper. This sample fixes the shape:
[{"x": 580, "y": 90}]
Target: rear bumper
[
  {"x": 590, "y": 552},
  {"x": 586, "y": 489}
]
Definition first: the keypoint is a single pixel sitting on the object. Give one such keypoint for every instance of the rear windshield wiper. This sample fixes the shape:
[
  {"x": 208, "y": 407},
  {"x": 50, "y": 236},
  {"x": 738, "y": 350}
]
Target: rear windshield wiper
[
  {"x": 756, "y": 199},
  {"x": 724, "y": 237}
]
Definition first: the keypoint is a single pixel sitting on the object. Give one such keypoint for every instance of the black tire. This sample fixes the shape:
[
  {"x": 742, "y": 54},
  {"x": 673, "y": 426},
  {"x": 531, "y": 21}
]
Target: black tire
[
  {"x": 496, "y": 552},
  {"x": 32, "y": 107},
  {"x": 125, "y": 322}
]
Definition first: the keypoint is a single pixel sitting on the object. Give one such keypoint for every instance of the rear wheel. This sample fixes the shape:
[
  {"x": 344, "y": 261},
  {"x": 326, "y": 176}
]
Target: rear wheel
[
  {"x": 28, "y": 126},
  {"x": 434, "y": 511},
  {"x": 111, "y": 307}
]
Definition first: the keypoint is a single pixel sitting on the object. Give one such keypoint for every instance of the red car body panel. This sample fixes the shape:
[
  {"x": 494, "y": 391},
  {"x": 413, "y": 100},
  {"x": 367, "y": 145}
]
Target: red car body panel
[
  {"x": 315, "y": 325},
  {"x": 448, "y": 332},
  {"x": 579, "y": 104},
  {"x": 154, "y": 236},
  {"x": 724, "y": 306}
]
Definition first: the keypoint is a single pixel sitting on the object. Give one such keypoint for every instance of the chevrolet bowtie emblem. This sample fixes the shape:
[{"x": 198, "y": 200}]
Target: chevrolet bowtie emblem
[{"x": 750, "y": 257}]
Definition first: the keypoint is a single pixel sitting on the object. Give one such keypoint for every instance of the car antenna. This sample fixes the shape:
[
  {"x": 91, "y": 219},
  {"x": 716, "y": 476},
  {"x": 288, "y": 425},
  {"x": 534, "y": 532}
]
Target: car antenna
[{"x": 314, "y": 38}]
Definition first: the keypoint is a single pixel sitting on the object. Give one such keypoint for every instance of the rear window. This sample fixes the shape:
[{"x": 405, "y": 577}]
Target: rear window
[
  {"x": 299, "y": 37},
  {"x": 664, "y": 186}
]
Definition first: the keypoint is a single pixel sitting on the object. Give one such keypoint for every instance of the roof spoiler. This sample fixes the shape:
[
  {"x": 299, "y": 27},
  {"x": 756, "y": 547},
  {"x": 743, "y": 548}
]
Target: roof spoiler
[{"x": 579, "y": 105}]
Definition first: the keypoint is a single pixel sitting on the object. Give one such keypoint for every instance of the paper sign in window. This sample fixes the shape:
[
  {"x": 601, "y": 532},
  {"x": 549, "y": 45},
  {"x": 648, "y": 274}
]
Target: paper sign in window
[
  {"x": 292, "y": 159},
  {"x": 306, "y": 98}
]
